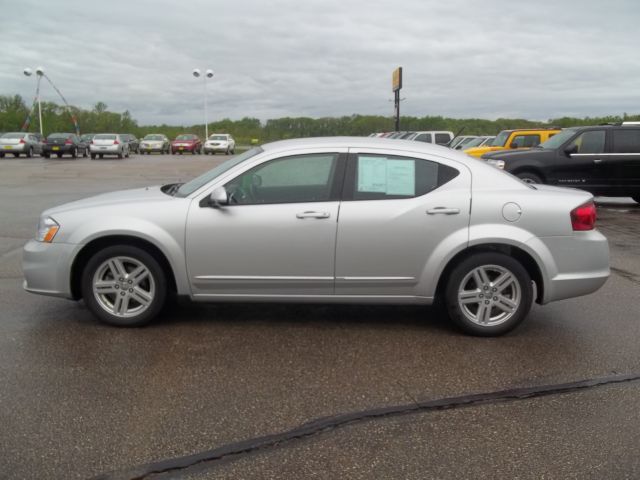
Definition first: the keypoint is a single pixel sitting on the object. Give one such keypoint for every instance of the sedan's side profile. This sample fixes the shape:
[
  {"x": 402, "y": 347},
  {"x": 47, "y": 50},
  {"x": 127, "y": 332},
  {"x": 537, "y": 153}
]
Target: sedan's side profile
[{"x": 352, "y": 220}]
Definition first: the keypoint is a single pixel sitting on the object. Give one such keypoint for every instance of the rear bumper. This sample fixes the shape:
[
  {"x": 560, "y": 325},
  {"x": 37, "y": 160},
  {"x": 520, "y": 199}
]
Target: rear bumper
[
  {"x": 184, "y": 149},
  {"x": 106, "y": 149},
  {"x": 575, "y": 265},
  {"x": 20, "y": 148},
  {"x": 58, "y": 149},
  {"x": 47, "y": 268}
]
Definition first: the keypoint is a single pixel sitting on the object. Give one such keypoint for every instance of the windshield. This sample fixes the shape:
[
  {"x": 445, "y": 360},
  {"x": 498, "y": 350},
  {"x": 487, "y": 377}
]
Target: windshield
[
  {"x": 218, "y": 137},
  {"x": 153, "y": 137},
  {"x": 185, "y": 137},
  {"x": 474, "y": 142},
  {"x": 558, "y": 139},
  {"x": 501, "y": 139},
  {"x": 190, "y": 187}
]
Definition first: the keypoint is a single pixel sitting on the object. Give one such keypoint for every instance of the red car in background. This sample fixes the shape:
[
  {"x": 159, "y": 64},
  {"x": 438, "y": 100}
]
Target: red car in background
[{"x": 186, "y": 142}]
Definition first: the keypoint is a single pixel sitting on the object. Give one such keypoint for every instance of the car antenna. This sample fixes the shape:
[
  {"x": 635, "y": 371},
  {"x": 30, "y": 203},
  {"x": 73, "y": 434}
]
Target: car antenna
[{"x": 455, "y": 136}]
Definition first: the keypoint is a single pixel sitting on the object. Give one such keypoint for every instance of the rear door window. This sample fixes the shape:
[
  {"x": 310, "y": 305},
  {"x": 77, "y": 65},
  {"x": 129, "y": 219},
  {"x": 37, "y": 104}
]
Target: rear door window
[
  {"x": 626, "y": 141},
  {"x": 526, "y": 141},
  {"x": 442, "y": 138},
  {"x": 386, "y": 177},
  {"x": 423, "y": 137}
]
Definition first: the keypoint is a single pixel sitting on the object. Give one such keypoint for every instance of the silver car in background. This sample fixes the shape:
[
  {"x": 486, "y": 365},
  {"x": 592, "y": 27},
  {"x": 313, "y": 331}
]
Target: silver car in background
[
  {"x": 108, "y": 144},
  {"x": 155, "y": 142},
  {"x": 351, "y": 220},
  {"x": 220, "y": 142},
  {"x": 20, "y": 143}
]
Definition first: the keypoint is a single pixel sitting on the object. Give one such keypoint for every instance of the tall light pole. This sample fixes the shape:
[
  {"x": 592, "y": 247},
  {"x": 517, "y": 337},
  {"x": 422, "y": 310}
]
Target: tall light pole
[
  {"x": 40, "y": 74},
  {"x": 207, "y": 74}
]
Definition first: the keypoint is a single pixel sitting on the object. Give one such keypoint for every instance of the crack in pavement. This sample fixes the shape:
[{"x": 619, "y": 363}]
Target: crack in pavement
[
  {"x": 626, "y": 274},
  {"x": 337, "y": 421}
]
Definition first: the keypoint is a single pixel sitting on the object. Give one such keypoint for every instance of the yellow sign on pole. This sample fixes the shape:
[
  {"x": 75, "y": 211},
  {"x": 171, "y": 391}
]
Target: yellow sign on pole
[{"x": 396, "y": 79}]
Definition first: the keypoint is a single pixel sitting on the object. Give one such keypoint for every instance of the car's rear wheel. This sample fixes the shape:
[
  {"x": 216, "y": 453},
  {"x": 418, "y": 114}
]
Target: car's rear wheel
[
  {"x": 121, "y": 154},
  {"x": 124, "y": 286},
  {"x": 74, "y": 153},
  {"x": 30, "y": 152},
  {"x": 93, "y": 156},
  {"x": 528, "y": 177},
  {"x": 488, "y": 294},
  {"x": 85, "y": 153}
]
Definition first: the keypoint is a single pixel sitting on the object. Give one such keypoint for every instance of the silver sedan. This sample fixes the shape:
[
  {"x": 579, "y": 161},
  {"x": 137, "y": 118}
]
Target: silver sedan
[
  {"x": 352, "y": 220},
  {"x": 20, "y": 143}
]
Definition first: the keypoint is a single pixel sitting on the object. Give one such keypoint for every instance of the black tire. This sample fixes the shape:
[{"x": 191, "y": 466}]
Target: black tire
[
  {"x": 93, "y": 156},
  {"x": 233, "y": 152},
  {"x": 30, "y": 152},
  {"x": 529, "y": 177},
  {"x": 101, "y": 155},
  {"x": 121, "y": 154},
  {"x": 85, "y": 153},
  {"x": 519, "y": 289},
  {"x": 59, "y": 155},
  {"x": 1, "y": 155},
  {"x": 144, "y": 258},
  {"x": 74, "y": 153},
  {"x": 17, "y": 155},
  {"x": 46, "y": 155}
]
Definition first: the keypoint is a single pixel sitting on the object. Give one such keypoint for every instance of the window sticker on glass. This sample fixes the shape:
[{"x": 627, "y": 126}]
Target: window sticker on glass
[
  {"x": 401, "y": 177},
  {"x": 372, "y": 174},
  {"x": 391, "y": 177}
]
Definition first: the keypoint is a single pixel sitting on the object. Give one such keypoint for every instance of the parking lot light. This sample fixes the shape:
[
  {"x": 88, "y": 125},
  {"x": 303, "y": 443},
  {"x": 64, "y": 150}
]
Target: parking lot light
[
  {"x": 207, "y": 74},
  {"x": 39, "y": 73}
]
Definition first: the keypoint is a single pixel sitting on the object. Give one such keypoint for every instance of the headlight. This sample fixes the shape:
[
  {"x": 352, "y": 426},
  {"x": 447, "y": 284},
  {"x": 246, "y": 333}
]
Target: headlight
[
  {"x": 496, "y": 163},
  {"x": 47, "y": 229}
]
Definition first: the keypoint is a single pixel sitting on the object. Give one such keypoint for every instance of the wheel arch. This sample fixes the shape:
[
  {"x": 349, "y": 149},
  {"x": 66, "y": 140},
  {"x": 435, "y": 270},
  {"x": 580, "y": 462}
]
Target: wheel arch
[
  {"x": 527, "y": 261},
  {"x": 87, "y": 251},
  {"x": 529, "y": 169}
]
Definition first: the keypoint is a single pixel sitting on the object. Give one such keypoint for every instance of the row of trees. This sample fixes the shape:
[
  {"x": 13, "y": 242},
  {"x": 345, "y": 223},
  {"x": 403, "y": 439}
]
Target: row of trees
[{"x": 14, "y": 111}]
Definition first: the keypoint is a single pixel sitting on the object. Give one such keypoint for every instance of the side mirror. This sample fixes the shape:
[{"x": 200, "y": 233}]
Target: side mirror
[
  {"x": 513, "y": 145},
  {"x": 217, "y": 199},
  {"x": 570, "y": 150}
]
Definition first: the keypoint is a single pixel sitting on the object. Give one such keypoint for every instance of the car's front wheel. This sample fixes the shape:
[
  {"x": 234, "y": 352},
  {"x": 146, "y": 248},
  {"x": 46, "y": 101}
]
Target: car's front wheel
[
  {"x": 124, "y": 286},
  {"x": 488, "y": 294}
]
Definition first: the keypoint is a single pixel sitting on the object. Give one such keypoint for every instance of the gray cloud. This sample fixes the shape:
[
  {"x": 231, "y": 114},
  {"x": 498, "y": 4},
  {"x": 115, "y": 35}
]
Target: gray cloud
[{"x": 326, "y": 58}]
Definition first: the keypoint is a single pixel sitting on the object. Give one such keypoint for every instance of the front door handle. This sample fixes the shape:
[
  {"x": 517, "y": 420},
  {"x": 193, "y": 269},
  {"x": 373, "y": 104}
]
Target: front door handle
[
  {"x": 443, "y": 211},
  {"x": 597, "y": 160},
  {"x": 310, "y": 214}
]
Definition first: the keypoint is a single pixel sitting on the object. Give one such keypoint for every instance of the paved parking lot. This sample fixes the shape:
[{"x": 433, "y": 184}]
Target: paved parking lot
[{"x": 79, "y": 399}]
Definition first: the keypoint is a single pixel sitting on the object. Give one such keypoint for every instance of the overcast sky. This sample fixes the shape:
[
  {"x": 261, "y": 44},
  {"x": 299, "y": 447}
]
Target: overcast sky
[{"x": 490, "y": 59}]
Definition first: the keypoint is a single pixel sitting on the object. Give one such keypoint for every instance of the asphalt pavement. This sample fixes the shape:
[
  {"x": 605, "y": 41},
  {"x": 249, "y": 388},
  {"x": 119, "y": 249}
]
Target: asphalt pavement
[{"x": 80, "y": 400}]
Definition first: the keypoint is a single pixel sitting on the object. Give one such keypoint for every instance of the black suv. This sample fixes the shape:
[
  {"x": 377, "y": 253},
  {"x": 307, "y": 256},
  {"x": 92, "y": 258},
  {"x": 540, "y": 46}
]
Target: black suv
[{"x": 604, "y": 160}]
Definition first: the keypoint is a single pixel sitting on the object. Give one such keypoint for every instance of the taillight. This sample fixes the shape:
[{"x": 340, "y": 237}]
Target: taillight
[
  {"x": 22, "y": 140},
  {"x": 584, "y": 217},
  {"x": 116, "y": 142},
  {"x": 68, "y": 141}
]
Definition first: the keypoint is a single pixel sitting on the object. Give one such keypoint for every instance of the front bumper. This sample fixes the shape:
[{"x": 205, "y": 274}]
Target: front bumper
[
  {"x": 575, "y": 265},
  {"x": 47, "y": 268},
  {"x": 217, "y": 148},
  {"x": 153, "y": 148}
]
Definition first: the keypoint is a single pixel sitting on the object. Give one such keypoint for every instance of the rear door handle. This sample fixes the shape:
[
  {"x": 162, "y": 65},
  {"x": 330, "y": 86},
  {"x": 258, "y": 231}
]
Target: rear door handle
[
  {"x": 443, "y": 211},
  {"x": 597, "y": 160},
  {"x": 311, "y": 214}
]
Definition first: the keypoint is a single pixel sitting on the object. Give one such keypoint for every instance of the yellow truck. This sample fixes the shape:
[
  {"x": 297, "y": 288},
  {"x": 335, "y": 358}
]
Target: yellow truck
[{"x": 518, "y": 138}]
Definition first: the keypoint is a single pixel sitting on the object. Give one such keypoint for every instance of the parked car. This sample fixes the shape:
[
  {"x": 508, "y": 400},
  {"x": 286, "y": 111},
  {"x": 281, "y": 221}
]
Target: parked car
[
  {"x": 418, "y": 223},
  {"x": 109, "y": 144},
  {"x": 438, "y": 137},
  {"x": 20, "y": 143},
  {"x": 132, "y": 141},
  {"x": 603, "y": 160},
  {"x": 459, "y": 143},
  {"x": 186, "y": 143},
  {"x": 60, "y": 144},
  {"x": 220, "y": 142},
  {"x": 155, "y": 142},
  {"x": 479, "y": 141},
  {"x": 512, "y": 139}
]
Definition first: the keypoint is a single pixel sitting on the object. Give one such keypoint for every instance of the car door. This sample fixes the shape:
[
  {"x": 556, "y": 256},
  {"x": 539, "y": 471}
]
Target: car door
[
  {"x": 623, "y": 161},
  {"x": 579, "y": 162},
  {"x": 277, "y": 235},
  {"x": 396, "y": 215}
]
